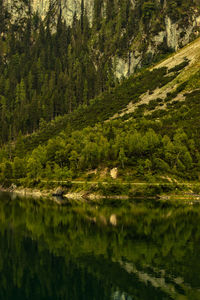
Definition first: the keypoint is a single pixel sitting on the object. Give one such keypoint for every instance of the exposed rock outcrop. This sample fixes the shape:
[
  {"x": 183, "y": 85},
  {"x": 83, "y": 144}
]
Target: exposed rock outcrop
[
  {"x": 69, "y": 7},
  {"x": 114, "y": 173},
  {"x": 148, "y": 40},
  {"x": 174, "y": 37}
]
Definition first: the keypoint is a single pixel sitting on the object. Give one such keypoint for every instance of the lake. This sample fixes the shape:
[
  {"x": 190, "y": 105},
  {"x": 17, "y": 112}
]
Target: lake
[{"x": 82, "y": 251}]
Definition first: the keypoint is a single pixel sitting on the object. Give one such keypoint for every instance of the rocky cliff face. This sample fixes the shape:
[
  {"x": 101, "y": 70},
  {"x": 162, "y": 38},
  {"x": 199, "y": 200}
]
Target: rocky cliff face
[
  {"x": 159, "y": 27},
  {"x": 69, "y": 7},
  {"x": 174, "y": 32},
  {"x": 174, "y": 36}
]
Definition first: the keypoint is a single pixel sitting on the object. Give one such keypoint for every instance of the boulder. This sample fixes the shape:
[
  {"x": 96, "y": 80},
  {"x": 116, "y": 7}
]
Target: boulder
[{"x": 114, "y": 173}]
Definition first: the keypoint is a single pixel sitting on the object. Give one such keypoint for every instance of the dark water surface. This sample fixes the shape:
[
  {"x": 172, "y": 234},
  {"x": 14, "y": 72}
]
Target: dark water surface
[{"x": 53, "y": 252}]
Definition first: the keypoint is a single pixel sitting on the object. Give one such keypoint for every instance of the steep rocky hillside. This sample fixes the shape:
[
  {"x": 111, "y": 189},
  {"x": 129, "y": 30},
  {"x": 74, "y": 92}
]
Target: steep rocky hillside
[
  {"x": 138, "y": 31},
  {"x": 185, "y": 64}
]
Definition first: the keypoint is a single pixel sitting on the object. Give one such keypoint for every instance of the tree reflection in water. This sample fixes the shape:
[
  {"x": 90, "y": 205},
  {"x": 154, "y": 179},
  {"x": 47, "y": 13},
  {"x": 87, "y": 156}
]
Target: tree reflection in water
[{"x": 53, "y": 252}]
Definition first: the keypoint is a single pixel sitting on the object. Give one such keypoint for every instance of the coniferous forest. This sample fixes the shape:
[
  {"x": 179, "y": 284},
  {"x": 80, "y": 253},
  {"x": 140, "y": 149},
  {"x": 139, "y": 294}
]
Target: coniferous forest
[{"x": 48, "y": 68}]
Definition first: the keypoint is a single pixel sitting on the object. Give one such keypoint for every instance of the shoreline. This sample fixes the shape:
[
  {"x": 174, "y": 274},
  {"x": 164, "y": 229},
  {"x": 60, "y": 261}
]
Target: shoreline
[
  {"x": 27, "y": 192},
  {"x": 84, "y": 195},
  {"x": 189, "y": 198}
]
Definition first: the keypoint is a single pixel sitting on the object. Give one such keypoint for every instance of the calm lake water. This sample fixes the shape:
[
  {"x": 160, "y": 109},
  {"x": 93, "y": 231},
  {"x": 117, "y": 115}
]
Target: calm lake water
[{"x": 48, "y": 251}]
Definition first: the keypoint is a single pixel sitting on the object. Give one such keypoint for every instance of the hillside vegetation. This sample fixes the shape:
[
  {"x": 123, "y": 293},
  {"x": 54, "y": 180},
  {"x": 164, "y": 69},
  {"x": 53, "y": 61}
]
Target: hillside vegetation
[
  {"x": 147, "y": 126},
  {"x": 65, "y": 118},
  {"x": 48, "y": 68}
]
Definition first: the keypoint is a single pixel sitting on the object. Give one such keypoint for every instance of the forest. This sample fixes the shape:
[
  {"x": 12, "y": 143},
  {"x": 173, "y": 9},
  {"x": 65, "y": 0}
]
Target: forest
[
  {"x": 49, "y": 68},
  {"x": 144, "y": 145},
  {"x": 59, "y": 92}
]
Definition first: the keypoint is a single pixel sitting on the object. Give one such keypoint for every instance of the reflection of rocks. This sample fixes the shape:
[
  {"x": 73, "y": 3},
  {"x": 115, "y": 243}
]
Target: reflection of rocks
[
  {"x": 160, "y": 281},
  {"x": 58, "y": 192},
  {"x": 118, "y": 295},
  {"x": 12, "y": 187},
  {"x": 113, "y": 220},
  {"x": 13, "y": 196}
]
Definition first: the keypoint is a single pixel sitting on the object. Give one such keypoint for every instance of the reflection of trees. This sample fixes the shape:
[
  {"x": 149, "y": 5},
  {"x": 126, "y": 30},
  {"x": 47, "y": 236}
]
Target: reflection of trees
[{"x": 46, "y": 248}]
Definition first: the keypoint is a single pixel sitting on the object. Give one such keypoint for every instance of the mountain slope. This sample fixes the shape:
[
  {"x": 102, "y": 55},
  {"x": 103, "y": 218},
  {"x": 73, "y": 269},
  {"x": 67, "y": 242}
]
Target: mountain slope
[
  {"x": 187, "y": 63},
  {"x": 161, "y": 81},
  {"x": 140, "y": 31},
  {"x": 50, "y": 67},
  {"x": 147, "y": 126}
]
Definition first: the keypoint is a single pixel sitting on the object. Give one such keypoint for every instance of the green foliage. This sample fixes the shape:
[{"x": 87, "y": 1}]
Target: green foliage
[
  {"x": 116, "y": 143},
  {"x": 179, "y": 67},
  {"x": 100, "y": 108},
  {"x": 148, "y": 8},
  {"x": 7, "y": 170},
  {"x": 19, "y": 170},
  {"x": 47, "y": 73}
]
